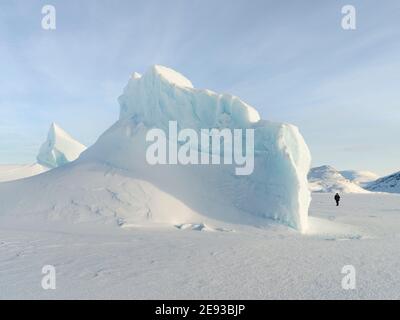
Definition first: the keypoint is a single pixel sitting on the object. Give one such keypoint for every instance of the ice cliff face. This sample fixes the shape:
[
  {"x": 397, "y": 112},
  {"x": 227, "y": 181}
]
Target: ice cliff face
[
  {"x": 276, "y": 189},
  {"x": 59, "y": 148},
  {"x": 163, "y": 94}
]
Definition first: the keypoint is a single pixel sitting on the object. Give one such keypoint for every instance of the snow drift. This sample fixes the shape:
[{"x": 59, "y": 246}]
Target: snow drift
[
  {"x": 16, "y": 172},
  {"x": 59, "y": 148},
  {"x": 112, "y": 181}
]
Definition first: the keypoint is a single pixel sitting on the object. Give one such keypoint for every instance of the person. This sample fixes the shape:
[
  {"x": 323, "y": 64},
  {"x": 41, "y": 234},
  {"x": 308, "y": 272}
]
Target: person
[{"x": 337, "y": 199}]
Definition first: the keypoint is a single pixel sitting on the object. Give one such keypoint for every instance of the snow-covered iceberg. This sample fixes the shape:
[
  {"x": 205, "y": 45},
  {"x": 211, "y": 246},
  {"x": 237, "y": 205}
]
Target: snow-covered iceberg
[
  {"x": 276, "y": 189},
  {"x": 112, "y": 181},
  {"x": 59, "y": 148}
]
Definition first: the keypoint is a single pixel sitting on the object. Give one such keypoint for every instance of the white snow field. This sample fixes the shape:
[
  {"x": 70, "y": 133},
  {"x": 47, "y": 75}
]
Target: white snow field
[
  {"x": 115, "y": 226},
  {"x": 59, "y": 149},
  {"x": 237, "y": 262},
  {"x": 326, "y": 179}
]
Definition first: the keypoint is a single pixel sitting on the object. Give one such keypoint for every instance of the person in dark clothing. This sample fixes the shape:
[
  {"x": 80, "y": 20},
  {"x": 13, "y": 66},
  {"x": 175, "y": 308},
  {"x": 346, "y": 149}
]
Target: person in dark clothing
[{"x": 337, "y": 199}]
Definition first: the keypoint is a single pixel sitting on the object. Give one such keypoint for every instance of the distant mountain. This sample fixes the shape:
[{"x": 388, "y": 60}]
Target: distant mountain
[
  {"x": 328, "y": 179},
  {"x": 359, "y": 177},
  {"x": 389, "y": 184}
]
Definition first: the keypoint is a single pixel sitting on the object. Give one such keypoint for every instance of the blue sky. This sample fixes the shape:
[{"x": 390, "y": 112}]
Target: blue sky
[{"x": 289, "y": 59}]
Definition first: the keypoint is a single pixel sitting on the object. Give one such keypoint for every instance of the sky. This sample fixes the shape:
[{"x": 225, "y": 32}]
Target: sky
[{"x": 291, "y": 60}]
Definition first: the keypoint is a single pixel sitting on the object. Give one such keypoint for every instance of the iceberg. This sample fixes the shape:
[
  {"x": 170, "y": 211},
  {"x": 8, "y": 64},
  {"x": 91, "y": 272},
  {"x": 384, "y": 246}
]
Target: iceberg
[
  {"x": 59, "y": 148},
  {"x": 113, "y": 182},
  {"x": 163, "y": 94},
  {"x": 276, "y": 189}
]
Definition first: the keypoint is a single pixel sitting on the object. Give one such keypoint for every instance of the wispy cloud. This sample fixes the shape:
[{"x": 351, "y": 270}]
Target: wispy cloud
[{"x": 291, "y": 60}]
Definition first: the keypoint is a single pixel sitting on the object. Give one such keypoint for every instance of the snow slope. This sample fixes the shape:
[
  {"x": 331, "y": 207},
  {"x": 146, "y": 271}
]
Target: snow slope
[
  {"x": 112, "y": 182},
  {"x": 359, "y": 177},
  {"x": 15, "y": 172},
  {"x": 59, "y": 148},
  {"x": 250, "y": 263},
  {"x": 329, "y": 180},
  {"x": 390, "y": 183}
]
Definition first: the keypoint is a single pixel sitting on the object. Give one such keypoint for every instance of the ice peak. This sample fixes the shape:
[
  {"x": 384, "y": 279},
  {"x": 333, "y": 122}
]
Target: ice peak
[
  {"x": 171, "y": 76},
  {"x": 56, "y": 131},
  {"x": 59, "y": 148},
  {"x": 136, "y": 75},
  {"x": 162, "y": 94}
]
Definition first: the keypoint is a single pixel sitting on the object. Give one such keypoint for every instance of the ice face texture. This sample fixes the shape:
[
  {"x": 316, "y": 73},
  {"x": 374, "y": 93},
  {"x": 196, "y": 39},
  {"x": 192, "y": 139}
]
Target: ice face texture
[
  {"x": 59, "y": 148},
  {"x": 162, "y": 95},
  {"x": 276, "y": 189}
]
